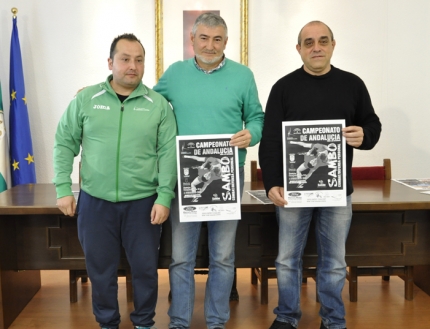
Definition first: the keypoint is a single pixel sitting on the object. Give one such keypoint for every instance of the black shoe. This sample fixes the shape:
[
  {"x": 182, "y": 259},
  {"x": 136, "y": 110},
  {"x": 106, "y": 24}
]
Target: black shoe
[{"x": 281, "y": 325}]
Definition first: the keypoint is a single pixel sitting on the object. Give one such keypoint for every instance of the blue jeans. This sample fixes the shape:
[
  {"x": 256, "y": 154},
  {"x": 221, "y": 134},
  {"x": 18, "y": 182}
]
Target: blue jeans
[
  {"x": 185, "y": 239},
  {"x": 331, "y": 230}
]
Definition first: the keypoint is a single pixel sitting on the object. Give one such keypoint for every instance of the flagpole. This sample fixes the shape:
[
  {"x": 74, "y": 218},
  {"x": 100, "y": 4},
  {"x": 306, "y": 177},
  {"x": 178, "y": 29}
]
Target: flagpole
[{"x": 14, "y": 12}]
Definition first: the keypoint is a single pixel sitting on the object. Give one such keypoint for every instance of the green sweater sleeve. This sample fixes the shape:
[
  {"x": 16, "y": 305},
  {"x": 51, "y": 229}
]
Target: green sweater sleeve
[
  {"x": 66, "y": 146},
  {"x": 166, "y": 150},
  {"x": 253, "y": 112}
]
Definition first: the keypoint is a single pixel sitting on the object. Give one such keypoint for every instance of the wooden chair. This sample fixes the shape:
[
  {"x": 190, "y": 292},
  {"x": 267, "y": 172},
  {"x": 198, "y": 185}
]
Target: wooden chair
[
  {"x": 373, "y": 173},
  {"x": 405, "y": 272},
  {"x": 262, "y": 274}
]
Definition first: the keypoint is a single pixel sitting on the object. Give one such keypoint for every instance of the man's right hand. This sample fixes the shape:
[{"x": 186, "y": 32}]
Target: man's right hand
[
  {"x": 276, "y": 194},
  {"x": 67, "y": 205}
]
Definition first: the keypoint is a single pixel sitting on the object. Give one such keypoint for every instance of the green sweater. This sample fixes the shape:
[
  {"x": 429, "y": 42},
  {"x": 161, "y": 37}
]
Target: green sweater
[
  {"x": 128, "y": 149},
  {"x": 223, "y": 102}
]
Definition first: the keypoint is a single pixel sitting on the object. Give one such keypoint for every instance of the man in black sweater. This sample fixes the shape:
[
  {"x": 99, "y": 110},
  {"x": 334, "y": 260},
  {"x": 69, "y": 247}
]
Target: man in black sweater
[{"x": 316, "y": 91}]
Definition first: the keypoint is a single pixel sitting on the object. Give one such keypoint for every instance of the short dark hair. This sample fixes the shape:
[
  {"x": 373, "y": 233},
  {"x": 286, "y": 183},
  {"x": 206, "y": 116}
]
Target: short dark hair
[
  {"x": 299, "y": 39},
  {"x": 217, "y": 171},
  {"x": 314, "y": 152},
  {"x": 125, "y": 36},
  {"x": 323, "y": 157}
]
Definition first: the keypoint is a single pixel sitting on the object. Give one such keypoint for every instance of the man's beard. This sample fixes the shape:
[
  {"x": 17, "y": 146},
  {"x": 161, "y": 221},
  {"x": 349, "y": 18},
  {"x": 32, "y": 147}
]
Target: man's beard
[{"x": 209, "y": 61}]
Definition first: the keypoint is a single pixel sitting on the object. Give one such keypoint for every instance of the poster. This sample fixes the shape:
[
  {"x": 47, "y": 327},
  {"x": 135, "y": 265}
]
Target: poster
[
  {"x": 415, "y": 183},
  {"x": 208, "y": 178},
  {"x": 314, "y": 163},
  {"x": 260, "y": 195}
]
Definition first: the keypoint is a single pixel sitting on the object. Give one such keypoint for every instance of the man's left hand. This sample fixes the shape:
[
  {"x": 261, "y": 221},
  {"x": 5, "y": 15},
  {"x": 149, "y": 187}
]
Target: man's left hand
[
  {"x": 159, "y": 214},
  {"x": 242, "y": 139},
  {"x": 354, "y": 135}
]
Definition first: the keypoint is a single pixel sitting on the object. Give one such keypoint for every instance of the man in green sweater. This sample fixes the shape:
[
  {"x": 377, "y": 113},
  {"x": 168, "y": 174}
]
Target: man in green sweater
[
  {"x": 128, "y": 174},
  {"x": 210, "y": 94}
]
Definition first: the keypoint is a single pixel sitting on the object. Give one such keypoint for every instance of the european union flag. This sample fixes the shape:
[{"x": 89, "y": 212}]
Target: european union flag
[{"x": 21, "y": 148}]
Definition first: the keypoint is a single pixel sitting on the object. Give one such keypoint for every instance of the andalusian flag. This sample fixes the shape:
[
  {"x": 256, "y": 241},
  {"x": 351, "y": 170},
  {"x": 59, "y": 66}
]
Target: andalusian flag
[
  {"x": 21, "y": 148},
  {"x": 4, "y": 152}
]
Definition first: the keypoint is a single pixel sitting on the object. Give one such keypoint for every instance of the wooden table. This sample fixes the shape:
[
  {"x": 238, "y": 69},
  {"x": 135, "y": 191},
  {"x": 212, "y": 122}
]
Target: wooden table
[{"x": 391, "y": 226}]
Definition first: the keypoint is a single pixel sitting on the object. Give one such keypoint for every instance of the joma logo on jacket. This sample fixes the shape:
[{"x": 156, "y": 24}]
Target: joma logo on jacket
[{"x": 101, "y": 107}]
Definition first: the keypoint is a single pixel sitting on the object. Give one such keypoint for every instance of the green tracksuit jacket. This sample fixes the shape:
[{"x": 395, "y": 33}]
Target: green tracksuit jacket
[{"x": 128, "y": 149}]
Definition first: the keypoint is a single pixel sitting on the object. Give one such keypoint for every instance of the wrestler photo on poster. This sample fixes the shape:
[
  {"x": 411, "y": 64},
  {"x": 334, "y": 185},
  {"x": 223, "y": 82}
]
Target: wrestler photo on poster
[
  {"x": 208, "y": 178},
  {"x": 314, "y": 163}
]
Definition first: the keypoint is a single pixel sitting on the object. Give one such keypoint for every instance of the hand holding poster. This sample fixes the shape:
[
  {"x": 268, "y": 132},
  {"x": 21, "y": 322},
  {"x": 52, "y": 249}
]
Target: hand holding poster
[
  {"x": 208, "y": 178},
  {"x": 314, "y": 163}
]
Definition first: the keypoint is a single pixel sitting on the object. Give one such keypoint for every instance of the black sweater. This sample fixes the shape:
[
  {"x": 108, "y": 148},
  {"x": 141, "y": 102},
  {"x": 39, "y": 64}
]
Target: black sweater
[{"x": 301, "y": 96}]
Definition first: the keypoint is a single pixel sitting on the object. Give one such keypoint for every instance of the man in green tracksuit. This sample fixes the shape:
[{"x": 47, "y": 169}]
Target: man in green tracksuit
[{"x": 128, "y": 174}]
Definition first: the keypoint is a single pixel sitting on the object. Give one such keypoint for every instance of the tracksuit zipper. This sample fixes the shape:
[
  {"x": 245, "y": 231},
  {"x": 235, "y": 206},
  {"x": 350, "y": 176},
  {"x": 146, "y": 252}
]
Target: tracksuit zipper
[{"x": 118, "y": 151}]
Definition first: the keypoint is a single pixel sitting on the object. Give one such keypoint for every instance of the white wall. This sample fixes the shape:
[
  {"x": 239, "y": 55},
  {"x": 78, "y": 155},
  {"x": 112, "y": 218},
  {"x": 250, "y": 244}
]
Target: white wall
[
  {"x": 65, "y": 45},
  {"x": 385, "y": 42}
]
